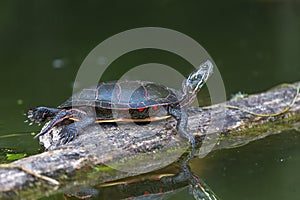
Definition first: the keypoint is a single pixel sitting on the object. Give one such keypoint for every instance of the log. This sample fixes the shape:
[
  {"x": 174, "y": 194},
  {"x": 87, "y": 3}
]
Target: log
[{"x": 109, "y": 152}]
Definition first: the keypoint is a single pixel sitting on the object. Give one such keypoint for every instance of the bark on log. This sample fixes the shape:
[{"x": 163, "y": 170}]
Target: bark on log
[{"x": 136, "y": 149}]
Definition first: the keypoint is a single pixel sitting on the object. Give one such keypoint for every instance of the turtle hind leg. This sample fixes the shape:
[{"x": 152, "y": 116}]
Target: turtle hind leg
[
  {"x": 58, "y": 119},
  {"x": 41, "y": 114},
  {"x": 71, "y": 131},
  {"x": 61, "y": 117}
]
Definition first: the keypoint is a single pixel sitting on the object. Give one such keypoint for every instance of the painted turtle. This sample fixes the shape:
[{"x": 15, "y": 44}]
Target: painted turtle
[{"x": 136, "y": 101}]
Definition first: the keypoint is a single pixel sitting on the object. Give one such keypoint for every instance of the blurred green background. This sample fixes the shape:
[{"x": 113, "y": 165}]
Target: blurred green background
[{"x": 255, "y": 45}]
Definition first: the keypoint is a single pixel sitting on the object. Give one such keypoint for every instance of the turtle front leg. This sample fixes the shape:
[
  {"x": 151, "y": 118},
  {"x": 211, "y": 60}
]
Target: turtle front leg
[
  {"x": 180, "y": 114},
  {"x": 41, "y": 114}
]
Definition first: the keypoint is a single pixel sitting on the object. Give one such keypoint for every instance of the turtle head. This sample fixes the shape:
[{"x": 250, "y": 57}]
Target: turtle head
[{"x": 193, "y": 84}]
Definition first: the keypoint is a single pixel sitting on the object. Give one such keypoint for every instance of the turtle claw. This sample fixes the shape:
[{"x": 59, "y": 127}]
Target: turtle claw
[
  {"x": 37, "y": 115},
  {"x": 68, "y": 134}
]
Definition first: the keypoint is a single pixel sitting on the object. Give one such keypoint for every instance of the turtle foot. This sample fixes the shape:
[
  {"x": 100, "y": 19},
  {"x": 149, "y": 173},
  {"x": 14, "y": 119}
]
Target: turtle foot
[
  {"x": 41, "y": 114},
  {"x": 68, "y": 133}
]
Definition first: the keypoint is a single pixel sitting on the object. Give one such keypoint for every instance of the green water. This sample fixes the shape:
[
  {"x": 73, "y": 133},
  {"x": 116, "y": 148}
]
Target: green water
[
  {"x": 255, "y": 45},
  {"x": 264, "y": 169}
]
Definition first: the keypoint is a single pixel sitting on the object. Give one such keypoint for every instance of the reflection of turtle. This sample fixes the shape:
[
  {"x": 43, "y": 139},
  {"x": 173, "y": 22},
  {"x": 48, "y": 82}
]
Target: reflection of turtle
[
  {"x": 155, "y": 185},
  {"x": 136, "y": 101}
]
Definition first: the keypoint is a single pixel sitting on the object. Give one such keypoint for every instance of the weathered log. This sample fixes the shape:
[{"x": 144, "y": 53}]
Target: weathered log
[{"x": 133, "y": 149}]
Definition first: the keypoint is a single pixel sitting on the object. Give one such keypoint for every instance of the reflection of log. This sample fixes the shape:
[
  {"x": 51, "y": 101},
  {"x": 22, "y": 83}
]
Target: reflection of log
[{"x": 138, "y": 149}]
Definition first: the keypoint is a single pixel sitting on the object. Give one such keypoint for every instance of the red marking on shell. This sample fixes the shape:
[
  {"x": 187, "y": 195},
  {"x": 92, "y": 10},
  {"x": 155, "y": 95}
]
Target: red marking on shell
[
  {"x": 146, "y": 193},
  {"x": 155, "y": 108},
  {"x": 119, "y": 92},
  {"x": 146, "y": 91},
  {"x": 160, "y": 191},
  {"x": 141, "y": 109},
  {"x": 97, "y": 94}
]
